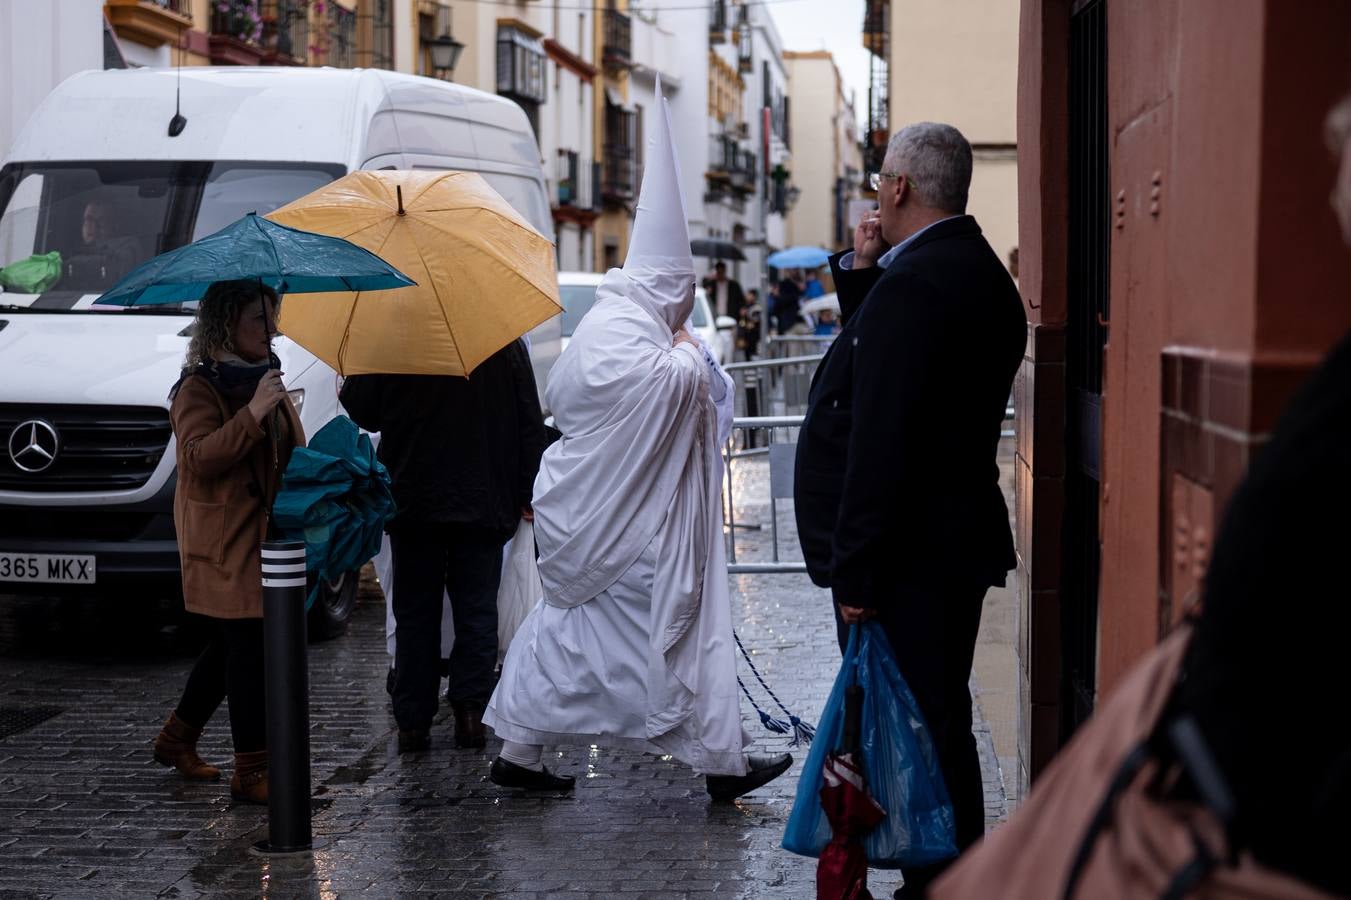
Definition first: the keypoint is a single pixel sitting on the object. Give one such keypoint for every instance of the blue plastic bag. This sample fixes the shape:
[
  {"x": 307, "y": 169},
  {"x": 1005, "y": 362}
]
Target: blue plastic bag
[{"x": 898, "y": 760}]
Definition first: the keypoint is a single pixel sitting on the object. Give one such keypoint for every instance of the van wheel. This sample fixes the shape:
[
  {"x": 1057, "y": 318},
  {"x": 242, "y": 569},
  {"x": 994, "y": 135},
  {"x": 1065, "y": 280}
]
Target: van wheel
[{"x": 333, "y": 606}]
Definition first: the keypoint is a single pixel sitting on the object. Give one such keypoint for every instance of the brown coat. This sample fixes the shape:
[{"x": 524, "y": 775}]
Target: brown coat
[{"x": 227, "y": 481}]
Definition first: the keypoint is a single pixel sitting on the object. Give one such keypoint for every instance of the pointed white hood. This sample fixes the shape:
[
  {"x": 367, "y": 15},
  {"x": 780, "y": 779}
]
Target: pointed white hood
[{"x": 658, "y": 272}]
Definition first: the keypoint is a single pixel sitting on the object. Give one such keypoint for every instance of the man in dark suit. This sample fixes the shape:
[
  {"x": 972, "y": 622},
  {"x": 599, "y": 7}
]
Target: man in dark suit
[
  {"x": 898, "y": 501},
  {"x": 725, "y": 296}
]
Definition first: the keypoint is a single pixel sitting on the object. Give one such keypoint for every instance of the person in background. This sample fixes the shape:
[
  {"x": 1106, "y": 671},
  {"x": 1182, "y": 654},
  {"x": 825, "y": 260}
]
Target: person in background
[
  {"x": 896, "y": 487},
  {"x": 811, "y": 286},
  {"x": 787, "y": 308},
  {"x": 748, "y": 326},
  {"x": 236, "y": 429},
  {"x": 463, "y": 454},
  {"x": 724, "y": 294},
  {"x": 103, "y": 256},
  {"x": 826, "y": 323}
]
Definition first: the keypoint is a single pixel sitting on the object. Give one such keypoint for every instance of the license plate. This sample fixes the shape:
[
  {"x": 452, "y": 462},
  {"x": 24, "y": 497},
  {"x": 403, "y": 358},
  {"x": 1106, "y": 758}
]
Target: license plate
[{"x": 46, "y": 568}]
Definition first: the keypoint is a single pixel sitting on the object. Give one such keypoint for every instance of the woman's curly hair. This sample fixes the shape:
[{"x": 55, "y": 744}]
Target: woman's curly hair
[{"x": 214, "y": 329}]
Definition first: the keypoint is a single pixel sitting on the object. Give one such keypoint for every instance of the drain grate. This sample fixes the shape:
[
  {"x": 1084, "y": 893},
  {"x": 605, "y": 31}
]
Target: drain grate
[{"x": 14, "y": 719}]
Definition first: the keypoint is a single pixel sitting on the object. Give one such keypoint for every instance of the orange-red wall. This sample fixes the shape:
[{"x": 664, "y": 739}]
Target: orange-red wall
[{"x": 1228, "y": 282}]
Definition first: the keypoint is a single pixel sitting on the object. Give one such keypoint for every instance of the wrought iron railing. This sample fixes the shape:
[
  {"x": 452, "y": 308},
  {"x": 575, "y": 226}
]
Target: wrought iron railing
[
  {"x": 286, "y": 29},
  {"x": 617, "y": 178},
  {"x": 238, "y": 19},
  {"x": 341, "y": 39},
  {"x": 577, "y": 180},
  {"x": 617, "y": 48}
]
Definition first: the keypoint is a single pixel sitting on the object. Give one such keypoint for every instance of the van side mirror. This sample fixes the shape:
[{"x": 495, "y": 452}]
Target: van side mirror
[{"x": 725, "y": 323}]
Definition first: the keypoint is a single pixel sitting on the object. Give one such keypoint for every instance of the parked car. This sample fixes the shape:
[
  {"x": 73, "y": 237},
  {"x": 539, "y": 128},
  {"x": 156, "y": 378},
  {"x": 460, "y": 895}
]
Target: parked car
[
  {"x": 577, "y": 290},
  {"x": 98, "y": 176}
]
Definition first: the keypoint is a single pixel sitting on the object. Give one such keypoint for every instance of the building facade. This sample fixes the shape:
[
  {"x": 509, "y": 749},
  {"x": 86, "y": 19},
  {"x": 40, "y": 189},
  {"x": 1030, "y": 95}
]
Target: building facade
[
  {"x": 1183, "y": 274},
  {"x": 41, "y": 45},
  {"x": 953, "y": 61},
  {"x": 584, "y": 74},
  {"x": 828, "y": 161}
]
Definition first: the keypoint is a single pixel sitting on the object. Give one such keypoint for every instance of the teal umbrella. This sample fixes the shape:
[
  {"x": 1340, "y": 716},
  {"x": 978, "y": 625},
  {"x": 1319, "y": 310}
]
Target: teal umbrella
[
  {"x": 336, "y": 497},
  {"x": 287, "y": 260}
]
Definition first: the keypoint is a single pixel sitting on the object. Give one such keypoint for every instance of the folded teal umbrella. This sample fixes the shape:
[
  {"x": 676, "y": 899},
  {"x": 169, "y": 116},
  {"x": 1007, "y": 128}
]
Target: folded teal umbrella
[
  {"x": 335, "y": 497},
  {"x": 287, "y": 260}
]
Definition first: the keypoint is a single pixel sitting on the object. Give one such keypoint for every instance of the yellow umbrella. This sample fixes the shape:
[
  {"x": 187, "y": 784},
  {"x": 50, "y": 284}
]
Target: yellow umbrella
[{"x": 484, "y": 275}]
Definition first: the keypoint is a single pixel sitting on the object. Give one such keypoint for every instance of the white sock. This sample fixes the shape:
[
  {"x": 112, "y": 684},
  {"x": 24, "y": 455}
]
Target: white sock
[{"x": 527, "y": 756}]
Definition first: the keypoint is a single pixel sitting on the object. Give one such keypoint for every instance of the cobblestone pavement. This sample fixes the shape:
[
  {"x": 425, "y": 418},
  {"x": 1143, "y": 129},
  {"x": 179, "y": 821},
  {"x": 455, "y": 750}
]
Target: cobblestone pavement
[{"x": 84, "y": 812}]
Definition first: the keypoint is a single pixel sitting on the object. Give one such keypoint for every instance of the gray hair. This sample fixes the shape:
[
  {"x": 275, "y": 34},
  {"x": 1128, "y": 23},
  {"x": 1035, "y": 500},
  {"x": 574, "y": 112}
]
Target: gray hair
[{"x": 938, "y": 160}]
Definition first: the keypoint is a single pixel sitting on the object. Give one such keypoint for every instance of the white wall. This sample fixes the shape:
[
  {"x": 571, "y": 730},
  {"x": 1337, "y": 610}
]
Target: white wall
[{"x": 42, "y": 44}]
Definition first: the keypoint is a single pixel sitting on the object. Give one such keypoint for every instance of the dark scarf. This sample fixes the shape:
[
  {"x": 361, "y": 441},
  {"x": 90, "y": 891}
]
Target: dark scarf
[{"x": 236, "y": 383}]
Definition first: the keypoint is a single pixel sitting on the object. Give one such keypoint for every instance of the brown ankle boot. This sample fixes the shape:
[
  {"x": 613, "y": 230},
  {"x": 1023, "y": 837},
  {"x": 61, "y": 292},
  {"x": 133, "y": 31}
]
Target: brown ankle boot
[
  {"x": 176, "y": 746},
  {"x": 249, "y": 783}
]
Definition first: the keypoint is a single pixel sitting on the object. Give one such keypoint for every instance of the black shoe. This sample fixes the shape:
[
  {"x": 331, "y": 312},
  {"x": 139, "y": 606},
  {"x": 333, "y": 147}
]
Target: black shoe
[
  {"x": 509, "y": 775},
  {"x": 414, "y": 740},
  {"x": 764, "y": 769},
  {"x": 469, "y": 731}
]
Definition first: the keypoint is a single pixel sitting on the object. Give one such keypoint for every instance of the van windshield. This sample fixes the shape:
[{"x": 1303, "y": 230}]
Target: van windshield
[{"x": 104, "y": 218}]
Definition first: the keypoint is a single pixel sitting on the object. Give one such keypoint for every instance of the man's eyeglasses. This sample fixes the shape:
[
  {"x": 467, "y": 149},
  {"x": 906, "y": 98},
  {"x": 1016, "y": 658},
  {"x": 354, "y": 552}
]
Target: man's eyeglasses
[{"x": 875, "y": 179}]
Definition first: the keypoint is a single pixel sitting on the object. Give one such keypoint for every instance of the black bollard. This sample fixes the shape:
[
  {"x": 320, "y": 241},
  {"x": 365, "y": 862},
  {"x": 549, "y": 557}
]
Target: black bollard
[
  {"x": 752, "y": 408},
  {"x": 288, "y": 698}
]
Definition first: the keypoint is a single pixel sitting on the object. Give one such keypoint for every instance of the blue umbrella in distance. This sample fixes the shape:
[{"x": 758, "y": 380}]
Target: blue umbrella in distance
[{"x": 799, "y": 258}]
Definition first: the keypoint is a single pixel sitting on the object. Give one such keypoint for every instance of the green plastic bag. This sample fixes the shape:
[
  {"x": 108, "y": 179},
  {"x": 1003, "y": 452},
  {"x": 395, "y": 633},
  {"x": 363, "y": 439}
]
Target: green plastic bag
[{"x": 33, "y": 275}]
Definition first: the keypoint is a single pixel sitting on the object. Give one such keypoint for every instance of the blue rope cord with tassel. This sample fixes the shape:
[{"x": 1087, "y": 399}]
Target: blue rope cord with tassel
[{"x": 800, "y": 730}]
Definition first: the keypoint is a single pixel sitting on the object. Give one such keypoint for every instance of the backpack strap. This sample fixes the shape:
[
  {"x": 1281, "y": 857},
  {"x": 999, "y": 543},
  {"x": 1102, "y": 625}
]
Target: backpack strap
[{"x": 1125, "y": 774}]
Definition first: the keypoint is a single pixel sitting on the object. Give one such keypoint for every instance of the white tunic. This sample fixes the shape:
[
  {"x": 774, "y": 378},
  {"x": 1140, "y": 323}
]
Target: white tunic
[{"x": 632, "y": 643}]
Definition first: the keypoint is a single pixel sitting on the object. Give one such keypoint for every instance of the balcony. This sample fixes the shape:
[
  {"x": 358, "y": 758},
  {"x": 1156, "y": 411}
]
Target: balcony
[
  {"x": 617, "y": 174},
  {"x": 337, "y": 43},
  {"x": 286, "y": 32},
  {"x": 877, "y": 26},
  {"x": 617, "y": 48},
  {"x": 576, "y": 196},
  {"x": 151, "y": 23},
  {"x": 717, "y": 22},
  {"x": 236, "y": 33},
  {"x": 730, "y": 165}
]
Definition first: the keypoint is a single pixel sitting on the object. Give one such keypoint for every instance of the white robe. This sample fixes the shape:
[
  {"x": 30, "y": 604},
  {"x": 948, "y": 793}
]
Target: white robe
[{"x": 632, "y": 643}]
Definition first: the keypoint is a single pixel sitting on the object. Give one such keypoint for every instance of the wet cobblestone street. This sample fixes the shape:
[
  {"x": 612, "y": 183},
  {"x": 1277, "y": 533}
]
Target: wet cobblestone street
[{"x": 85, "y": 812}]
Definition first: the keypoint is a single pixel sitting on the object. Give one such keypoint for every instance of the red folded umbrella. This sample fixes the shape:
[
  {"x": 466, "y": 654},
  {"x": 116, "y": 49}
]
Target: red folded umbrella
[{"x": 842, "y": 872}]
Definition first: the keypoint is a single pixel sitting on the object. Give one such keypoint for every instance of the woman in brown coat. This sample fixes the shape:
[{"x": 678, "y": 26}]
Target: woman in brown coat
[{"x": 235, "y": 428}]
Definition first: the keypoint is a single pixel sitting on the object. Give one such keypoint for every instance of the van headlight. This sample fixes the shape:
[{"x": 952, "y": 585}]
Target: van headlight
[{"x": 297, "y": 399}]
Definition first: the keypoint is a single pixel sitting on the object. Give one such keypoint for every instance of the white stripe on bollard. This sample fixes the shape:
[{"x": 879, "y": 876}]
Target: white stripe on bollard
[
  {"x": 283, "y": 582},
  {"x": 271, "y": 568}
]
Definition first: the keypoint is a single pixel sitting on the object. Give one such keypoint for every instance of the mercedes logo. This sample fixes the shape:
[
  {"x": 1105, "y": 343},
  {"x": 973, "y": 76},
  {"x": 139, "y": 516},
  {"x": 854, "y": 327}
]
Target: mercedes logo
[{"x": 33, "y": 445}]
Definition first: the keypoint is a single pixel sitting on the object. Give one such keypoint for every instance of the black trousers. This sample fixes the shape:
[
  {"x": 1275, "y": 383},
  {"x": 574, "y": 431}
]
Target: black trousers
[
  {"x": 465, "y": 562},
  {"x": 231, "y": 665},
  {"x": 933, "y": 632}
]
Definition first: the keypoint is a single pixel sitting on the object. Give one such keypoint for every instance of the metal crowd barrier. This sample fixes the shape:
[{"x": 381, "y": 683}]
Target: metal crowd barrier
[
  {"x": 766, "y": 387},
  {"x": 771, "y": 397},
  {"x": 781, "y": 455}
]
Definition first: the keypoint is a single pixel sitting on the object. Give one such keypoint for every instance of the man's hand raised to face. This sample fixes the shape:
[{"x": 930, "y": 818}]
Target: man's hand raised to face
[{"x": 868, "y": 241}]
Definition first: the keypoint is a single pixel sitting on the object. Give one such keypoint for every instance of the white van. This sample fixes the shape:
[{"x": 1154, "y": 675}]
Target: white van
[{"x": 87, "y": 467}]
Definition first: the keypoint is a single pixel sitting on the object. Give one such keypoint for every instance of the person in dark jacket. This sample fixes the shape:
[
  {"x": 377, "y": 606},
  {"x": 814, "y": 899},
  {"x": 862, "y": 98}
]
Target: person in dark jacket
[
  {"x": 724, "y": 294},
  {"x": 786, "y": 309},
  {"x": 463, "y": 454},
  {"x": 898, "y": 502}
]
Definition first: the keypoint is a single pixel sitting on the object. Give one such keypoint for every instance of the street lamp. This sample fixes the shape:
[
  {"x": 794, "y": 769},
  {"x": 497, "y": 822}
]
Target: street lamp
[{"x": 445, "y": 52}]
